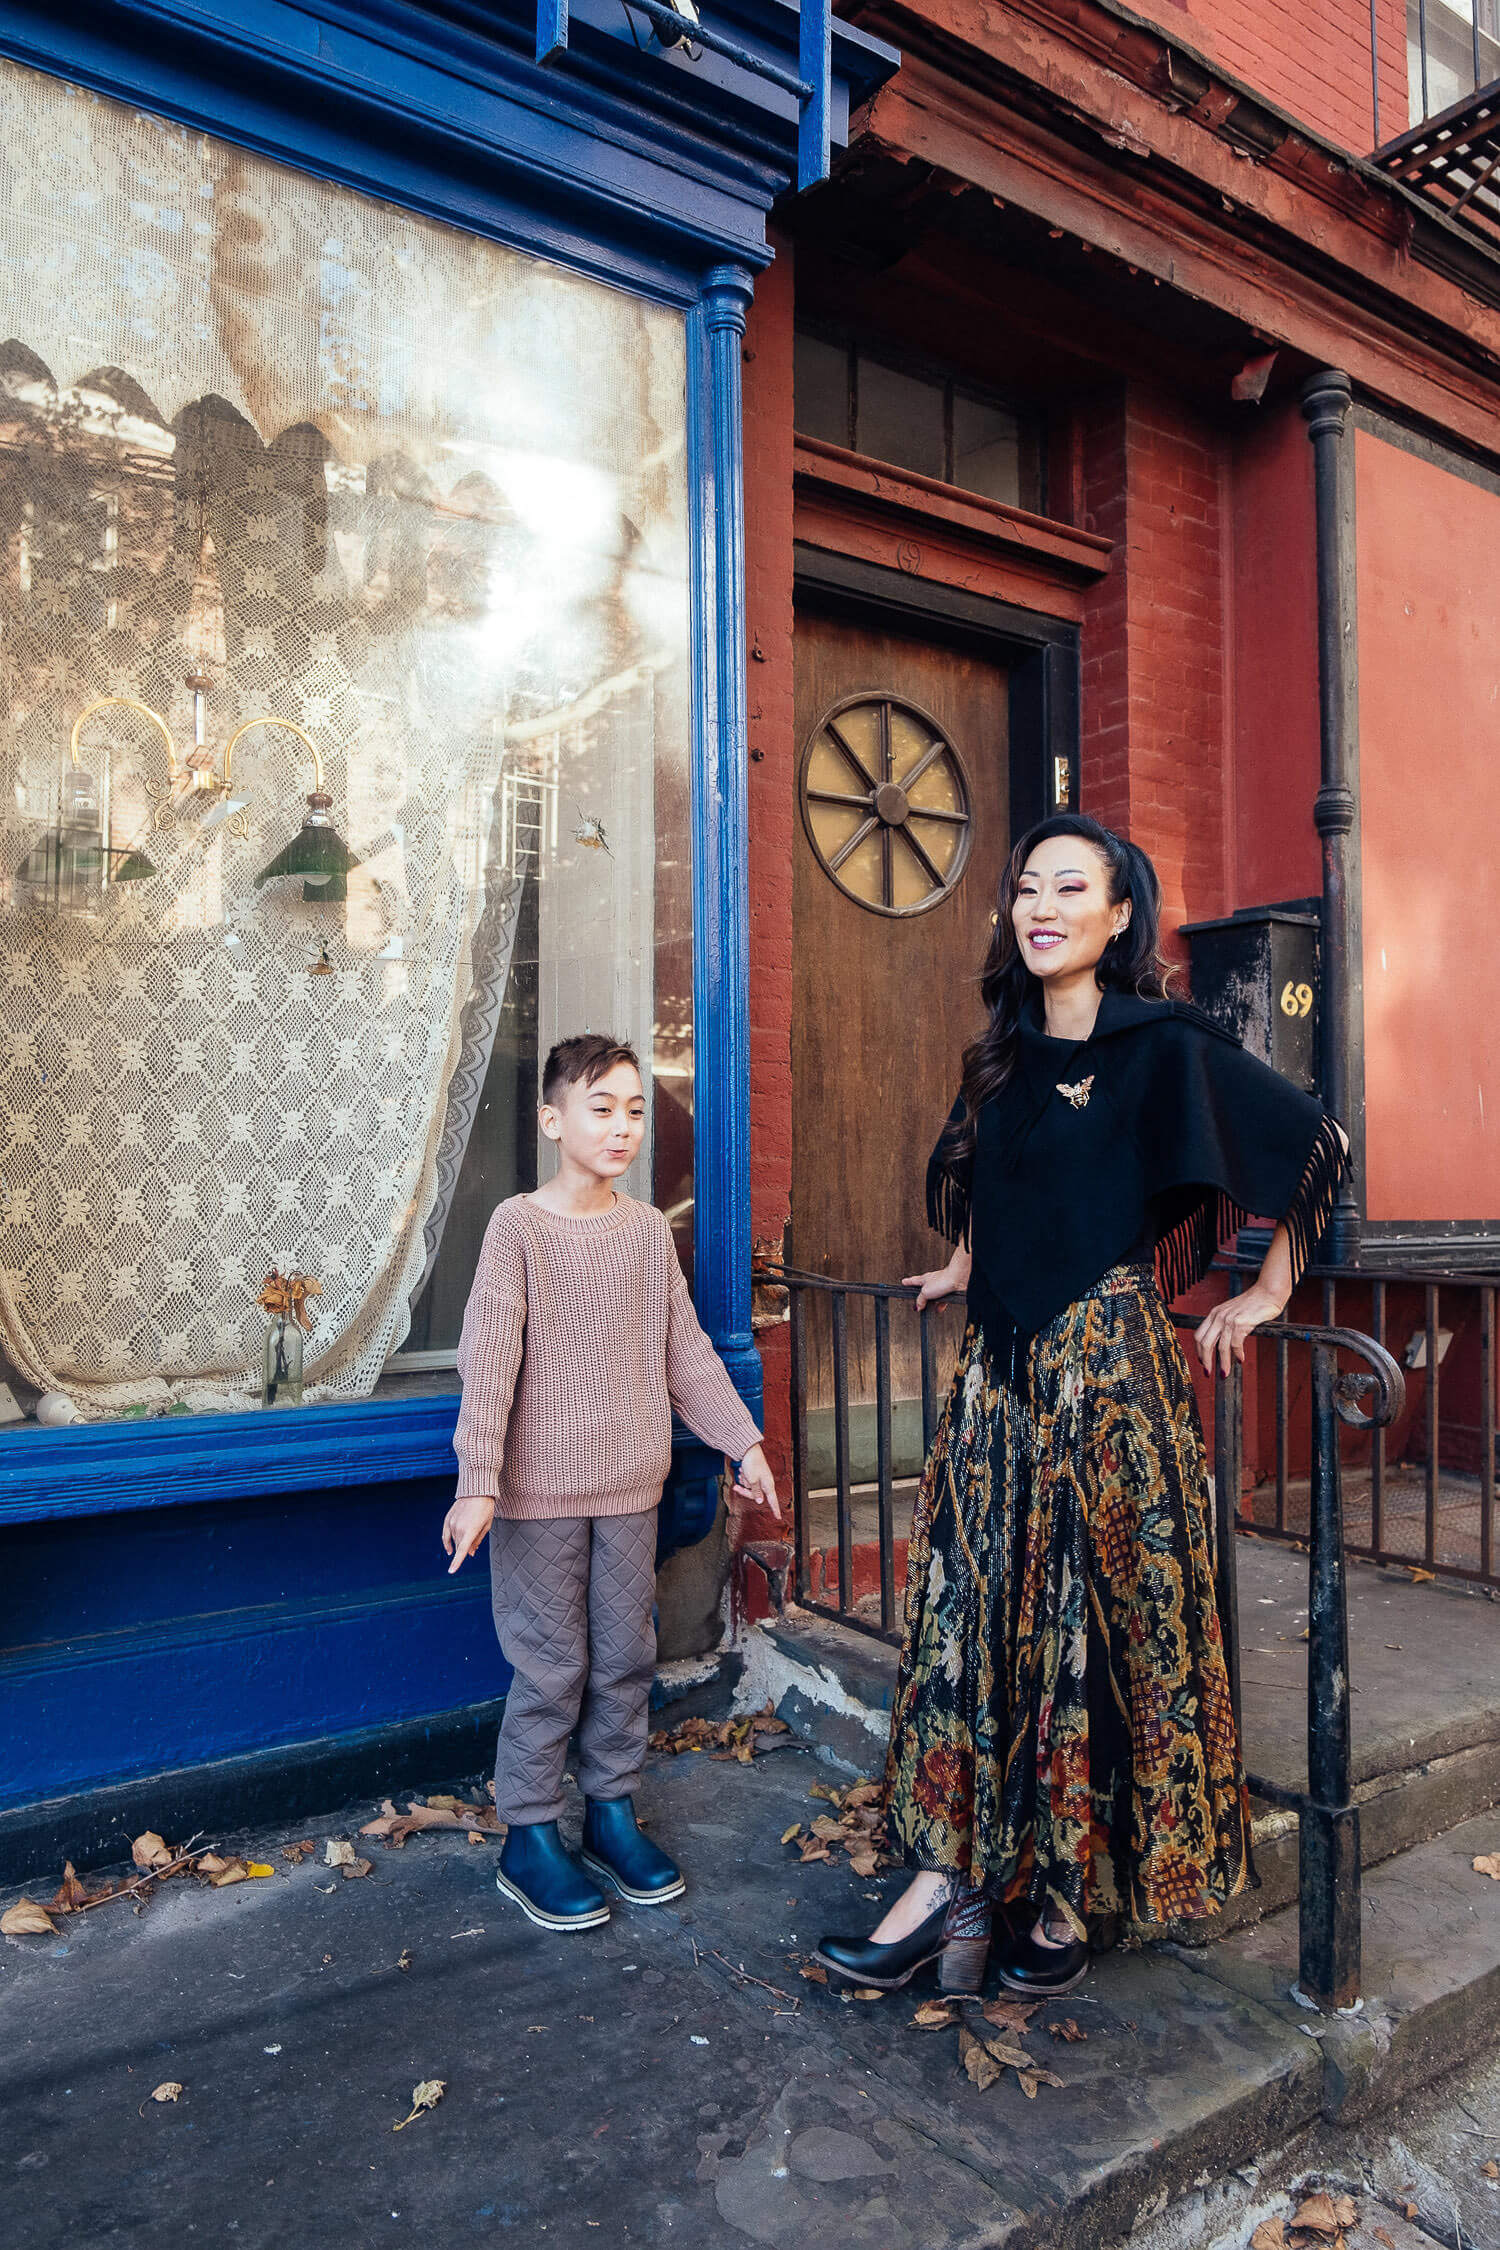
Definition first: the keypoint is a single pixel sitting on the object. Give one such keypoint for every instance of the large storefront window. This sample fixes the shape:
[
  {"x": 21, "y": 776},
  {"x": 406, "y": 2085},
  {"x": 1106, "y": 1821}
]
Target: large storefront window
[{"x": 306, "y": 498}]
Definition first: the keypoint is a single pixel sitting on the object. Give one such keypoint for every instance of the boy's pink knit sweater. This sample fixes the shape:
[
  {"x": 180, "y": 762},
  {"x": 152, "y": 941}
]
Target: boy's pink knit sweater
[{"x": 579, "y": 1339}]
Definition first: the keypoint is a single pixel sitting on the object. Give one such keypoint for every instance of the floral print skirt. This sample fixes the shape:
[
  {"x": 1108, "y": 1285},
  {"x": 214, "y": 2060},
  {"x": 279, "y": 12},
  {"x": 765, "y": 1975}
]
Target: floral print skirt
[{"x": 1062, "y": 1731}]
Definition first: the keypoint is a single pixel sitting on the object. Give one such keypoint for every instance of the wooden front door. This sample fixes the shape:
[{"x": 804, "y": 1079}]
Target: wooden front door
[{"x": 886, "y": 945}]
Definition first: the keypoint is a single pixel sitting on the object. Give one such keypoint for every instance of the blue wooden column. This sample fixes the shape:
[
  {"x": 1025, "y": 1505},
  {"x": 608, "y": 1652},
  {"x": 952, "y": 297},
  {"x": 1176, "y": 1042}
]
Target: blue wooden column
[{"x": 721, "y": 830}]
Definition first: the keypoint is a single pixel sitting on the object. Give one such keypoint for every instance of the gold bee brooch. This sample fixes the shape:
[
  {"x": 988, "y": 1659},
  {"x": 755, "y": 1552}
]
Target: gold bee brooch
[{"x": 1078, "y": 1095}]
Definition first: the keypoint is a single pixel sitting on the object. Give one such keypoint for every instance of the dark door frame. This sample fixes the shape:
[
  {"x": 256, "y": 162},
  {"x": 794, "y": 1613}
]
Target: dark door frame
[{"x": 1041, "y": 655}]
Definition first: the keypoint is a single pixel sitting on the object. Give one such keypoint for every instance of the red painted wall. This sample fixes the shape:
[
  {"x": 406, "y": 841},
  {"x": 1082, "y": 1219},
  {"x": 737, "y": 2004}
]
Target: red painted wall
[
  {"x": 1274, "y": 639},
  {"x": 1429, "y": 654},
  {"x": 1154, "y": 649},
  {"x": 768, "y": 608},
  {"x": 1313, "y": 61}
]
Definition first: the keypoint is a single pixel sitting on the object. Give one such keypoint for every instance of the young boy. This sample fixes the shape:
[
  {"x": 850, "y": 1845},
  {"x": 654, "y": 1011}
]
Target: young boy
[{"x": 579, "y": 1338}]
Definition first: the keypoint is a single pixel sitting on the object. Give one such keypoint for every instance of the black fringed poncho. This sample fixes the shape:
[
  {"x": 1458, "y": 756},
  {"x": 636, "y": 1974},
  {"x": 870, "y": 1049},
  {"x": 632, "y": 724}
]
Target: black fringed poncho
[{"x": 1181, "y": 1138}]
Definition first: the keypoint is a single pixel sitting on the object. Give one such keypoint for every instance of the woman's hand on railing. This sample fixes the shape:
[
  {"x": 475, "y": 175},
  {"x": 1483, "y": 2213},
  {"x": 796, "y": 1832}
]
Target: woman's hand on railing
[
  {"x": 755, "y": 1483},
  {"x": 1222, "y": 1333},
  {"x": 947, "y": 1281}
]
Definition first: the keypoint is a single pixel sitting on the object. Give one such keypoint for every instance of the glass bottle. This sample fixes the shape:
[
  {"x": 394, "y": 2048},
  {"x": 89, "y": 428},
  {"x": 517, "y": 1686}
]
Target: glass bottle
[{"x": 281, "y": 1365}]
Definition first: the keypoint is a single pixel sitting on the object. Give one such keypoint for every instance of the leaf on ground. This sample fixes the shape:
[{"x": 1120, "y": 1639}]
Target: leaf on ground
[
  {"x": 70, "y": 1894},
  {"x": 447, "y": 1803},
  {"x": 477, "y": 1836},
  {"x": 1384, "y": 2235},
  {"x": 336, "y": 1853},
  {"x": 977, "y": 2059},
  {"x": 1488, "y": 1863},
  {"x": 813, "y": 1850},
  {"x": 425, "y": 2096},
  {"x": 1068, "y": 2030},
  {"x": 1015, "y": 2058},
  {"x": 868, "y": 1992},
  {"x": 356, "y": 1867},
  {"x": 1491, "y": 2170},
  {"x": 27, "y": 1919},
  {"x": 813, "y": 1973},
  {"x": 864, "y": 1864},
  {"x": 863, "y": 1793},
  {"x": 234, "y": 1871},
  {"x": 150, "y": 1851},
  {"x": 299, "y": 1851},
  {"x": 1325, "y": 2215},
  {"x": 790, "y": 1835},
  {"x": 1269, "y": 2235},
  {"x": 1010, "y": 2015},
  {"x": 168, "y": 2091},
  {"x": 828, "y": 1830},
  {"x": 1410, "y": 2211},
  {"x": 1423, "y": 1577},
  {"x": 829, "y": 1795},
  {"x": 209, "y": 1863},
  {"x": 934, "y": 2015}
]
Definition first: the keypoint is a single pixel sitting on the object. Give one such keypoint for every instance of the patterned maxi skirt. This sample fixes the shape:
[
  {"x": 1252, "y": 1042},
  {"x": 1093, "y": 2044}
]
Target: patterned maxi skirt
[{"x": 1062, "y": 1731}]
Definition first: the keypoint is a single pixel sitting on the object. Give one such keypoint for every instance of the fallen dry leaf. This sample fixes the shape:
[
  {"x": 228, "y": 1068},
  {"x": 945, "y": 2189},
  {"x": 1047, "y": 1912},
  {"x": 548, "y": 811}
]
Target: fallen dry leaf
[
  {"x": 234, "y": 1871},
  {"x": 1423, "y": 1577},
  {"x": 27, "y": 1919},
  {"x": 790, "y": 1835},
  {"x": 209, "y": 1863},
  {"x": 1269, "y": 2235},
  {"x": 1068, "y": 2030},
  {"x": 1488, "y": 1863},
  {"x": 446, "y": 1803},
  {"x": 1325, "y": 2215},
  {"x": 425, "y": 2096},
  {"x": 336, "y": 1853},
  {"x": 150, "y": 1851},
  {"x": 1383, "y": 2234},
  {"x": 167, "y": 2091},
  {"x": 1010, "y": 2015},
  {"x": 354, "y": 1868},
  {"x": 70, "y": 1894},
  {"x": 812, "y": 1850},
  {"x": 258, "y": 1869},
  {"x": 1491, "y": 2170},
  {"x": 300, "y": 1851},
  {"x": 863, "y": 1793},
  {"x": 828, "y": 1830},
  {"x": 829, "y": 1795},
  {"x": 868, "y": 1992},
  {"x": 864, "y": 1863},
  {"x": 1015, "y": 2058},
  {"x": 813, "y": 1973},
  {"x": 477, "y": 1836},
  {"x": 934, "y": 2015},
  {"x": 977, "y": 2059}
]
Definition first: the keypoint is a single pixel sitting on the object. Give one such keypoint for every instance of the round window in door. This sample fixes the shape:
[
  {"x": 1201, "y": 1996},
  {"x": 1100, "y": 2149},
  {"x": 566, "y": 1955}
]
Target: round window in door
[{"x": 885, "y": 802}]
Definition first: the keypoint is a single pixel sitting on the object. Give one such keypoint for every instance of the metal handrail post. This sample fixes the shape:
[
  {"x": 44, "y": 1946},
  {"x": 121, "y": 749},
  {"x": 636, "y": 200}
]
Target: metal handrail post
[{"x": 1328, "y": 1831}]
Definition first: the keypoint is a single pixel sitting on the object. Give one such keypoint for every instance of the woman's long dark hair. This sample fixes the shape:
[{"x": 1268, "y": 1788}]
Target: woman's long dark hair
[{"x": 1131, "y": 962}]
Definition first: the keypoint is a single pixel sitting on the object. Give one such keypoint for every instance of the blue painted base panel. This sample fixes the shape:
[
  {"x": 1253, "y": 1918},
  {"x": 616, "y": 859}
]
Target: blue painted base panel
[{"x": 290, "y": 1782}]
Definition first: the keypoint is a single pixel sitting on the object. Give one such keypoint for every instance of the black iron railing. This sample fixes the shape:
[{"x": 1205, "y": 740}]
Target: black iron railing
[
  {"x": 1368, "y": 1398},
  {"x": 1433, "y": 1506}
]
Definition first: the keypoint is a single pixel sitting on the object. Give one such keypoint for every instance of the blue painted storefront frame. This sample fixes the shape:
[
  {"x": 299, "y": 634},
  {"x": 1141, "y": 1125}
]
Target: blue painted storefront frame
[{"x": 128, "y": 1542}]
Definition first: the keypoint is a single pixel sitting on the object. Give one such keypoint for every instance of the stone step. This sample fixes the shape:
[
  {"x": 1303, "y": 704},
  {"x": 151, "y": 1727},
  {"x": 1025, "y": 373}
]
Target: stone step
[{"x": 1424, "y": 1667}]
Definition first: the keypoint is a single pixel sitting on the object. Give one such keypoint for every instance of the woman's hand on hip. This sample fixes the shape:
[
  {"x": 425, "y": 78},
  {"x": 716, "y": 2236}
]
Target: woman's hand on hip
[
  {"x": 1221, "y": 1334},
  {"x": 947, "y": 1281}
]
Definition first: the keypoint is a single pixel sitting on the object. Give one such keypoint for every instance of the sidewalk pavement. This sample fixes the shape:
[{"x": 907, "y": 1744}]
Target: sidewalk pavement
[{"x": 671, "y": 2078}]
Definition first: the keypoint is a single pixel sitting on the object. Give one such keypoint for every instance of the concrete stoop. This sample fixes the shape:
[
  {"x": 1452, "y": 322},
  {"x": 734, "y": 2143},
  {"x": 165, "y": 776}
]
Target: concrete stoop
[{"x": 1199, "y": 2057}]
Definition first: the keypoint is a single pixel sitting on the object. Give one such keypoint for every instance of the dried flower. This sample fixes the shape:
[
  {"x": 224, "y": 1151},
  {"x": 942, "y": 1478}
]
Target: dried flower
[{"x": 286, "y": 1295}]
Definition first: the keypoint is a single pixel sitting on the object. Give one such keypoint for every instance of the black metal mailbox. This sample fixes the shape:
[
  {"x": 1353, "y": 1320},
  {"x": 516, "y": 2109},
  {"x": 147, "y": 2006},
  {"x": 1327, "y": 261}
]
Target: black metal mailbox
[{"x": 1256, "y": 972}]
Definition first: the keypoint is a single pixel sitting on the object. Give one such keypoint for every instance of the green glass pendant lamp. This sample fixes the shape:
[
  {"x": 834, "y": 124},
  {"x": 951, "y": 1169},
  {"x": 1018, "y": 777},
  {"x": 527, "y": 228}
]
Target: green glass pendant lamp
[{"x": 317, "y": 852}]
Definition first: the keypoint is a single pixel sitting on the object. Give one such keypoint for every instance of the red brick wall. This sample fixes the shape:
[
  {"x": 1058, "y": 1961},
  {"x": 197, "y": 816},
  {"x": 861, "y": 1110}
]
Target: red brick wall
[
  {"x": 1309, "y": 57},
  {"x": 768, "y": 591},
  {"x": 1154, "y": 642}
]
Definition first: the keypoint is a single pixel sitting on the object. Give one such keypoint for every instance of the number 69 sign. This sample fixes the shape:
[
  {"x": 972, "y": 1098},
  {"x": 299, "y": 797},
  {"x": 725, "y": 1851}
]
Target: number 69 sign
[{"x": 1296, "y": 999}]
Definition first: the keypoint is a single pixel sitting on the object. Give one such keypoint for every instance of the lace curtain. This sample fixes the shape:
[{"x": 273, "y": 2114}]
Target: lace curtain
[{"x": 424, "y": 498}]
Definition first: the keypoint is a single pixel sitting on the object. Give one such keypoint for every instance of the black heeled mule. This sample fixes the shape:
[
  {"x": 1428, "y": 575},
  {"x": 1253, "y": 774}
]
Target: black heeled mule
[{"x": 885, "y": 1968}]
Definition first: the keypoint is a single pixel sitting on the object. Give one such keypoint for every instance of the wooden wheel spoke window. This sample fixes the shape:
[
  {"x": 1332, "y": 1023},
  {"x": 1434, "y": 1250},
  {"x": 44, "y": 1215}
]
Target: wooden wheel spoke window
[{"x": 886, "y": 805}]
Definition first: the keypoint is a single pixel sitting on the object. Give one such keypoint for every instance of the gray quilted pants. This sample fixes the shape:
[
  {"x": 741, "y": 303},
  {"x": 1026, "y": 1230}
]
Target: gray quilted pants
[{"x": 573, "y": 1600}]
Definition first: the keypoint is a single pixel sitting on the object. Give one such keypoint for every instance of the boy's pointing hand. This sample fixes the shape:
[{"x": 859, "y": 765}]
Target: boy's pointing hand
[
  {"x": 755, "y": 1482},
  {"x": 466, "y": 1527}
]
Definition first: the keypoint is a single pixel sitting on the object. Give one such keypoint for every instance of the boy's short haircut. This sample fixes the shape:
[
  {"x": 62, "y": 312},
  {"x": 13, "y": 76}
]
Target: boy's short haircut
[{"x": 586, "y": 1059}]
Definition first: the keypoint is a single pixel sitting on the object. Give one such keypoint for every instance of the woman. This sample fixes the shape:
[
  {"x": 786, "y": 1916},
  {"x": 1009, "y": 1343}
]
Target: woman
[{"x": 1062, "y": 1737}]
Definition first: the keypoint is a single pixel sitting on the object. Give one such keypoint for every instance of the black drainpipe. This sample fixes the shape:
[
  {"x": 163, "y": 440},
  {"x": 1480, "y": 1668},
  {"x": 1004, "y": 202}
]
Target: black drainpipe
[{"x": 1327, "y": 400}]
